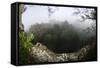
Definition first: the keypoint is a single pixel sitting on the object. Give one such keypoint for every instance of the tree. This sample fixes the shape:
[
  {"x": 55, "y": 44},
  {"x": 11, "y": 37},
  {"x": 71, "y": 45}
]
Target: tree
[
  {"x": 89, "y": 14},
  {"x": 25, "y": 45},
  {"x": 22, "y": 9},
  {"x": 85, "y": 13}
]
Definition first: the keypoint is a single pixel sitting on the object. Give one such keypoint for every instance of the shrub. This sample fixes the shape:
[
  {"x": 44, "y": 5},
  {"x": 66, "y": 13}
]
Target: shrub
[{"x": 25, "y": 46}]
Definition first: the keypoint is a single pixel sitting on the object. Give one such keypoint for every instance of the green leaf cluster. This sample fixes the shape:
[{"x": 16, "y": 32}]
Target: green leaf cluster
[{"x": 25, "y": 47}]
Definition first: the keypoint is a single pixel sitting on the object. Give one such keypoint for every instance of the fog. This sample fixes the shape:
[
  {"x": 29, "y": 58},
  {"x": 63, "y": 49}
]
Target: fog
[
  {"x": 39, "y": 14},
  {"x": 50, "y": 33}
]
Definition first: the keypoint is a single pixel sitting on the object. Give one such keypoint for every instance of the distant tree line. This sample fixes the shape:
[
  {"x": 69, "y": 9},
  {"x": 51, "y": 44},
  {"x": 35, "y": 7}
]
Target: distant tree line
[{"x": 59, "y": 36}]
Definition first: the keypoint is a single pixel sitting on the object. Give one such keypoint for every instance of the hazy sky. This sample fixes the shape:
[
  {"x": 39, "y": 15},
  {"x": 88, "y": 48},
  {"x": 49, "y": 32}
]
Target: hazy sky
[{"x": 39, "y": 14}]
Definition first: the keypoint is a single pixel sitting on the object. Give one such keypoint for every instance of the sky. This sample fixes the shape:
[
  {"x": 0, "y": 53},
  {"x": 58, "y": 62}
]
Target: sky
[{"x": 39, "y": 14}]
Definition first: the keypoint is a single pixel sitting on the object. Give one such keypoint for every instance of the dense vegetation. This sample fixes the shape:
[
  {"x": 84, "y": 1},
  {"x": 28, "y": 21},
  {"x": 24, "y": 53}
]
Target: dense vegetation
[
  {"x": 59, "y": 36},
  {"x": 53, "y": 40},
  {"x": 25, "y": 46}
]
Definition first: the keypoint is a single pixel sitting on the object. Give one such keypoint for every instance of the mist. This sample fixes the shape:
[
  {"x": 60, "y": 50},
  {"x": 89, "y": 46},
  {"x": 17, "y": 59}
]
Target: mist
[
  {"x": 39, "y": 14},
  {"x": 57, "y": 34}
]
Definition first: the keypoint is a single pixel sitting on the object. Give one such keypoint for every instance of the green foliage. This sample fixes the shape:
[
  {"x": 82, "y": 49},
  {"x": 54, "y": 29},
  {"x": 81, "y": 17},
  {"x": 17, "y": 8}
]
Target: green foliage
[{"x": 25, "y": 46}]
